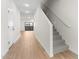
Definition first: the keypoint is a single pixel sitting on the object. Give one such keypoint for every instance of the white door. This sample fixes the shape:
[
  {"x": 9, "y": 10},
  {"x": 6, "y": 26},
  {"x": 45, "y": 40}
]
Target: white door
[{"x": 10, "y": 29}]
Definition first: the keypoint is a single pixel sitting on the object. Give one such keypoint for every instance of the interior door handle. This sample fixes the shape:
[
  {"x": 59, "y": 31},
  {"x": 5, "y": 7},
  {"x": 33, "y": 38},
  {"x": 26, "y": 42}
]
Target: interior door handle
[{"x": 11, "y": 27}]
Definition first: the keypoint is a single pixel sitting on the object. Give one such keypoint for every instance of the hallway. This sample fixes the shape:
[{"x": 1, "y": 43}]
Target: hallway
[{"x": 27, "y": 47}]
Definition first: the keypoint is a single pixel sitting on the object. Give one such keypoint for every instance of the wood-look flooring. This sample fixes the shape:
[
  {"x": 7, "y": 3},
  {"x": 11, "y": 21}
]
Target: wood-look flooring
[{"x": 27, "y": 47}]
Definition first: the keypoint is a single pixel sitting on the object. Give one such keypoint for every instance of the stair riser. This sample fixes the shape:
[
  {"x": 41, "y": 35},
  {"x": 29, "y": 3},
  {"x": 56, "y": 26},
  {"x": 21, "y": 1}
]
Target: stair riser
[
  {"x": 58, "y": 44},
  {"x": 60, "y": 50},
  {"x": 57, "y": 38}
]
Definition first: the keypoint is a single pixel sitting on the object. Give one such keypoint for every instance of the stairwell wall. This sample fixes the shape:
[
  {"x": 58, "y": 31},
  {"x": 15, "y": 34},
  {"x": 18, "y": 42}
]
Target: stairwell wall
[{"x": 65, "y": 18}]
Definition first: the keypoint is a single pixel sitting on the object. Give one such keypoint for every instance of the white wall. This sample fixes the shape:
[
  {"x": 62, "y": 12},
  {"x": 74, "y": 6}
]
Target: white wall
[
  {"x": 13, "y": 16},
  {"x": 4, "y": 28},
  {"x": 43, "y": 31},
  {"x": 66, "y": 11}
]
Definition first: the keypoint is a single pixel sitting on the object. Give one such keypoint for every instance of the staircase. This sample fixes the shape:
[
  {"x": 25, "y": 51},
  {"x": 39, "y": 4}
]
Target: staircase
[{"x": 58, "y": 43}]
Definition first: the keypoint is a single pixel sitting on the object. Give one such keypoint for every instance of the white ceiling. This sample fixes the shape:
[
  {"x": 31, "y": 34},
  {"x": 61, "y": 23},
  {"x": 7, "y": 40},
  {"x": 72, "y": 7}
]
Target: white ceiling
[{"x": 27, "y": 6}]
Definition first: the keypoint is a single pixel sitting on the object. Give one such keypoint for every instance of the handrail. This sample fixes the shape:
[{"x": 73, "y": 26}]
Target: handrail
[
  {"x": 67, "y": 25},
  {"x": 46, "y": 16},
  {"x": 52, "y": 13}
]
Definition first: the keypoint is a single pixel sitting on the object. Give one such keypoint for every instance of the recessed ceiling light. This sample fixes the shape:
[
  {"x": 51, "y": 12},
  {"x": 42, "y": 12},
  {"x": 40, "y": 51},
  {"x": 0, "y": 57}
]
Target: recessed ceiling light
[{"x": 27, "y": 5}]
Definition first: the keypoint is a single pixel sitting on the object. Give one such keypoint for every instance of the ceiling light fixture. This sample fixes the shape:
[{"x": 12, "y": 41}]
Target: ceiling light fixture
[{"x": 27, "y": 5}]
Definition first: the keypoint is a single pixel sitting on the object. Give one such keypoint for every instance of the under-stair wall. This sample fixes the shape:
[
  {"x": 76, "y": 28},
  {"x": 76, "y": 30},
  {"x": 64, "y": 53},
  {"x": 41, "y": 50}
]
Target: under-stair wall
[{"x": 44, "y": 31}]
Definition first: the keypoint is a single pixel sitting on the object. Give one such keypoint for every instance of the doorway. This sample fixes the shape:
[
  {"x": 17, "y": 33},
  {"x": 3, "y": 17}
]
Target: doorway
[{"x": 29, "y": 26}]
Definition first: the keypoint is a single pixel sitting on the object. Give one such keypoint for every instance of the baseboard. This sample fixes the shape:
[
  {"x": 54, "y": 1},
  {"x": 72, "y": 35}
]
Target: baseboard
[
  {"x": 17, "y": 38},
  {"x": 6, "y": 51},
  {"x": 73, "y": 51},
  {"x": 74, "y": 54}
]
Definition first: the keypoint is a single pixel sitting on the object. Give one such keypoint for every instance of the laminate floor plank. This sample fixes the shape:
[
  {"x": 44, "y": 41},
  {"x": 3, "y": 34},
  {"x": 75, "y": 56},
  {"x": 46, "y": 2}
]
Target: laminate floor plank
[{"x": 27, "y": 47}]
